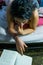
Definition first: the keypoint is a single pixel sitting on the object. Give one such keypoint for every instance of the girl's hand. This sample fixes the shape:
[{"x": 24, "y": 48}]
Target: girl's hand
[
  {"x": 20, "y": 30},
  {"x": 20, "y": 45}
]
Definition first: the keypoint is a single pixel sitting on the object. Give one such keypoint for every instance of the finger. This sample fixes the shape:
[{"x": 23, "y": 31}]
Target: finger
[
  {"x": 18, "y": 49},
  {"x": 25, "y": 45},
  {"x": 21, "y": 25},
  {"x": 21, "y": 50}
]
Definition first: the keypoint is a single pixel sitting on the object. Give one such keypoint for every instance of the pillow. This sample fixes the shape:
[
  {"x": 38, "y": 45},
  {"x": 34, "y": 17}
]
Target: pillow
[
  {"x": 40, "y": 21},
  {"x": 8, "y": 1},
  {"x": 41, "y": 11}
]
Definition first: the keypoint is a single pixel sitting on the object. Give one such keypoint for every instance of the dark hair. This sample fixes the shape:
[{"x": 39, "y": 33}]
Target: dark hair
[{"x": 17, "y": 9}]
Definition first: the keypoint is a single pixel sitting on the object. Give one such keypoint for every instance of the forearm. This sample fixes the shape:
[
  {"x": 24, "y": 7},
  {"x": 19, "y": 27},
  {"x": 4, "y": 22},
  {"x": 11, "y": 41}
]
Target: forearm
[
  {"x": 14, "y": 34},
  {"x": 27, "y": 31}
]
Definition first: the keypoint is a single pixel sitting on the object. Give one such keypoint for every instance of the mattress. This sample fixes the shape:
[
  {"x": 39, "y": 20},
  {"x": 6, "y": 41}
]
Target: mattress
[{"x": 36, "y": 36}]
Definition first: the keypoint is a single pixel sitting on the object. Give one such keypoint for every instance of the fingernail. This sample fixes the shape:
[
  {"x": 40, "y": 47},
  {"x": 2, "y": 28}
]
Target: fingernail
[{"x": 21, "y": 53}]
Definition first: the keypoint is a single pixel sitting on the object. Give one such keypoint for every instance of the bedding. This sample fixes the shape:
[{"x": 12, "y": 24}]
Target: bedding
[
  {"x": 8, "y": 1},
  {"x": 36, "y": 36},
  {"x": 41, "y": 3},
  {"x": 40, "y": 21},
  {"x": 41, "y": 11}
]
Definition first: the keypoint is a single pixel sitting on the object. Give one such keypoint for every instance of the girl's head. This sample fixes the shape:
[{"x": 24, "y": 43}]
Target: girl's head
[
  {"x": 19, "y": 9},
  {"x": 17, "y": 12}
]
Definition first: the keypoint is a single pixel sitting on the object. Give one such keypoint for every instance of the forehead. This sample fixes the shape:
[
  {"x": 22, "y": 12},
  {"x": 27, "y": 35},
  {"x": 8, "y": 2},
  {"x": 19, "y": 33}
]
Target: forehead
[{"x": 20, "y": 20}]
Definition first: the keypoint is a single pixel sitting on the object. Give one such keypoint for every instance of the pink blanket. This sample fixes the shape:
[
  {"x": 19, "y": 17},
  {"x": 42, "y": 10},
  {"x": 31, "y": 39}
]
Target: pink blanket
[{"x": 40, "y": 21}]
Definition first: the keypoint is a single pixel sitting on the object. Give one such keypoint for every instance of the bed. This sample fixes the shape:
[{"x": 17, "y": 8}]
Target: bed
[{"x": 5, "y": 38}]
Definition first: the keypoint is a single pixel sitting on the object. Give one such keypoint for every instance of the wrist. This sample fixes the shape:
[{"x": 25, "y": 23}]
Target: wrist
[{"x": 16, "y": 39}]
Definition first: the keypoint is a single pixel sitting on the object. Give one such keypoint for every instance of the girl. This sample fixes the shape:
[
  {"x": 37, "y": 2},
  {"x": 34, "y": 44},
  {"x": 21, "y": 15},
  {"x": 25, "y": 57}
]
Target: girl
[{"x": 22, "y": 16}]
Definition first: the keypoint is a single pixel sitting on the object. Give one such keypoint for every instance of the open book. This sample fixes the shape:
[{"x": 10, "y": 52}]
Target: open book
[{"x": 9, "y": 57}]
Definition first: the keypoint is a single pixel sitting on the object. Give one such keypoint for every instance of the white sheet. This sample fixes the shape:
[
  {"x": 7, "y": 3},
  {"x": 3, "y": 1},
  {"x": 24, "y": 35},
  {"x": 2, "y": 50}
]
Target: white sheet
[{"x": 36, "y": 36}]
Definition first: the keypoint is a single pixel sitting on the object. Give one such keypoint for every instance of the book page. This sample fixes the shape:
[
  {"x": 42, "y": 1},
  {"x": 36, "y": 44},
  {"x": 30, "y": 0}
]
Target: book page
[
  {"x": 8, "y": 57},
  {"x": 23, "y": 60}
]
